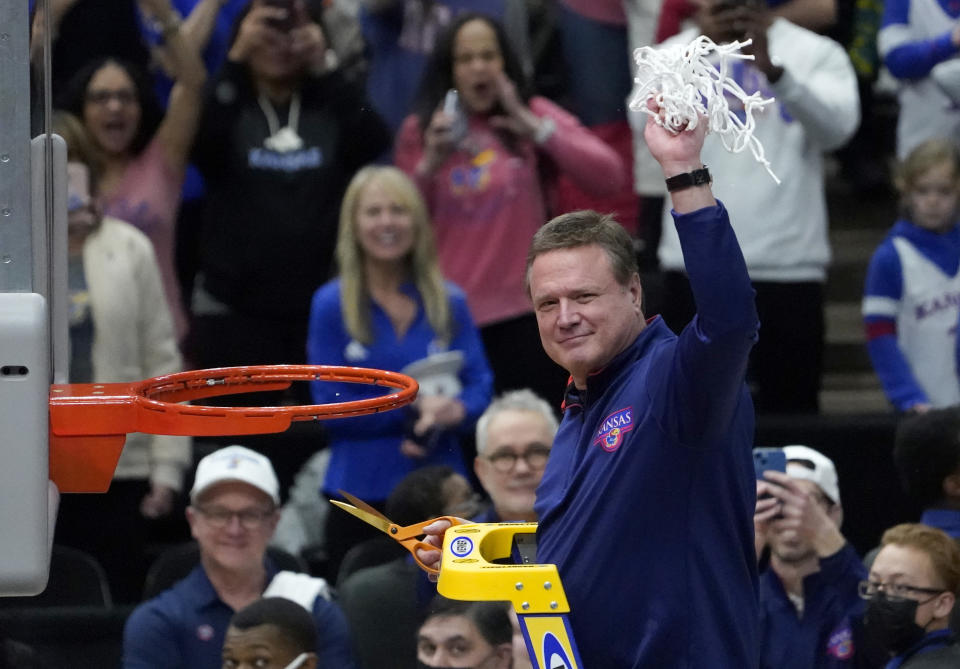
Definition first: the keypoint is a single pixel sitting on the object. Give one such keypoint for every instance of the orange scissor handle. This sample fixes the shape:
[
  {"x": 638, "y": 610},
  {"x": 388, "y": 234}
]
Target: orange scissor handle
[{"x": 409, "y": 537}]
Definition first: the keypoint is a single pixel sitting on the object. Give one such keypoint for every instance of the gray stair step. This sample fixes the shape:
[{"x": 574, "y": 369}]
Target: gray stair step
[
  {"x": 850, "y": 357},
  {"x": 839, "y": 402},
  {"x": 852, "y": 393},
  {"x": 844, "y": 323}
]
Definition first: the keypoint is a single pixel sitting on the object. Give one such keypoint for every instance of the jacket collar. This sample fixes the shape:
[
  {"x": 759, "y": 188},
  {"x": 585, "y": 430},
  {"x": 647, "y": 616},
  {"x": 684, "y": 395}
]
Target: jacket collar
[
  {"x": 597, "y": 382},
  {"x": 201, "y": 591}
]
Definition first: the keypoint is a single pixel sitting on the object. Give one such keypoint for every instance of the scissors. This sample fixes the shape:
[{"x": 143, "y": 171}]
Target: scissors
[{"x": 406, "y": 536}]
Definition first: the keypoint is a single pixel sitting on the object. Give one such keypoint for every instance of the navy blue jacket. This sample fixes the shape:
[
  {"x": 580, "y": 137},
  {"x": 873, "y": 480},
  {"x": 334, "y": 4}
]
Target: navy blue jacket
[
  {"x": 824, "y": 637},
  {"x": 646, "y": 504}
]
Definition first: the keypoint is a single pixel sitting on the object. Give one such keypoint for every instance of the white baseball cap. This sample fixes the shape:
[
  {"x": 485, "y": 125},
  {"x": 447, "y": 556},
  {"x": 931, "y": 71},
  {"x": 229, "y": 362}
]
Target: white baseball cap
[
  {"x": 805, "y": 463},
  {"x": 236, "y": 463}
]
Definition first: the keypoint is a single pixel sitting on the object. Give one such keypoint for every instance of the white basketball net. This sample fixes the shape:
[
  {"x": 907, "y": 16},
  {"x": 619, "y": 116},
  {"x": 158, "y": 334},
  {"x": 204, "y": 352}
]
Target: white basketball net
[{"x": 687, "y": 86}]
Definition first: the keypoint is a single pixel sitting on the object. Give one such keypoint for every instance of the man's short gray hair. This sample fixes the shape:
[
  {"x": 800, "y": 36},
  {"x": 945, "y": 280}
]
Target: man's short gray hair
[
  {"x": 514, "y": 400},
  {"x": 583, "y": 228}
]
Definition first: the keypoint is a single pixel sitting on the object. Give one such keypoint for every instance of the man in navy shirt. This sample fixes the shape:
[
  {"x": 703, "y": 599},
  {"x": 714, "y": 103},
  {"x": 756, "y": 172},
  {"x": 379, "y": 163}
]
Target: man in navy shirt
[
  {"x": 647, "y": 500},
  {"x": 646, "y": 504},
  {"x": 232, "y": 516},
  {"x": 808, "y": 594}
]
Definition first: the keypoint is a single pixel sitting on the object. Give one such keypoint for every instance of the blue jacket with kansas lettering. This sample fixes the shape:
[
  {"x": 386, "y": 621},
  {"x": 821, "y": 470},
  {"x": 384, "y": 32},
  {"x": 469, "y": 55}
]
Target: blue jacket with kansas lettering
[{"x": 646, "y": 505}]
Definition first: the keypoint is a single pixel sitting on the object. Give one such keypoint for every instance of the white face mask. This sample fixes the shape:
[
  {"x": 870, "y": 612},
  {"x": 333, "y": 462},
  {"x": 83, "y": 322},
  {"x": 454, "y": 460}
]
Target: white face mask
[{"x": 297, "y": 661}]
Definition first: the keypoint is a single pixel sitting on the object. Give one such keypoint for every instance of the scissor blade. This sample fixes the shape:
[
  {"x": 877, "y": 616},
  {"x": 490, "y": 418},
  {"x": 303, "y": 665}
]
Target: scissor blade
[
  {"x": 360, "y": 504},
  {"x": 379, "y": 523}
]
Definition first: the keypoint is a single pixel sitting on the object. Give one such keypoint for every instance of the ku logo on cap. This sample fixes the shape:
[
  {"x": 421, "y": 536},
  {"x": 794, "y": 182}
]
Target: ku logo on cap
[{"x": 614, "y": 428}]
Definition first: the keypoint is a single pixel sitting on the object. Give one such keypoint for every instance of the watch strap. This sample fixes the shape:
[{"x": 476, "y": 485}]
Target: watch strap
[{"x": 698, "y": 177}]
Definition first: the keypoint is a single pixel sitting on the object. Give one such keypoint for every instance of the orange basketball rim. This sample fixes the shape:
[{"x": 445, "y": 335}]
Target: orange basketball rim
[{"x": 89, "y": 422}]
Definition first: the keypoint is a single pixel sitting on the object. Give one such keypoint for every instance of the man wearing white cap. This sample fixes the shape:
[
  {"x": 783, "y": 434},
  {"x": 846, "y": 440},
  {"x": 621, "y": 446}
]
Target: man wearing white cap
[
  {"x": 232, "y": 515},
  {"x": 808, "y": 594}
]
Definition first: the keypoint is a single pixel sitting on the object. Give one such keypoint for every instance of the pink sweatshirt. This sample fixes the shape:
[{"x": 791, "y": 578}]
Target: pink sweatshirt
[
  {"x": 148, "y": 198},
  {"x": 606, "y": 11},
  {"x": 486, "y": 202}
]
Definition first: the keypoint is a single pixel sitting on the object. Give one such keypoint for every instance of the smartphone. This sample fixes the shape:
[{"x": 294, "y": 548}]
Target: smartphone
[
  {"x": 451, "y": 106},
  {"x": 766, "y": 459},
  {"x": 287, "y": 23}
]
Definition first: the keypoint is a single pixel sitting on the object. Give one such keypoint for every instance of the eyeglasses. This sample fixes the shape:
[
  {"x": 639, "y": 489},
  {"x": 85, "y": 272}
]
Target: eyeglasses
[
  {"x": 869, "y": 590},
  {"x": 536, "y": 458},
  {"x": 250, "y": 519},
  {"x": 103, "y": 96}
]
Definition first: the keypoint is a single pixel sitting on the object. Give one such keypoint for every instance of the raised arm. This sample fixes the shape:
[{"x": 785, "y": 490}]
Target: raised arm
[
  {"x": 823, "y": 97},
  {"x": 679, "y": 154},
  {"x": 179, "y": 125},
  {"x": 818, "y": 15},
  {"x": 198, "y": 26},
  {"x": 58, "y": 9},
  {"x": 704, "y": 384}
]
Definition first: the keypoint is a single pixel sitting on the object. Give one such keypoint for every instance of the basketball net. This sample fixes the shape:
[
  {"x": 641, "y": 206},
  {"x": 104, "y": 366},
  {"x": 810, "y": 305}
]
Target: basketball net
[{"x": 687, "y": 86}]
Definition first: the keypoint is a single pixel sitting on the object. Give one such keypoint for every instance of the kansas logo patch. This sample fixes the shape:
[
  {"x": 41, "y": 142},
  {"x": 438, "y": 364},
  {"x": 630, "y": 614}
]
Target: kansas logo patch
[
  {"x": 840, "y": 644},
  {"x": 614, "y": 428}
]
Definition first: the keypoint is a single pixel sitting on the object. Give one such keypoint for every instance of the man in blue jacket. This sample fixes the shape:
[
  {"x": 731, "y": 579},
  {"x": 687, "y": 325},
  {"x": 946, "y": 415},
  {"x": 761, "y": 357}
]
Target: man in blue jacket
[{"x": 647, "y": 500}]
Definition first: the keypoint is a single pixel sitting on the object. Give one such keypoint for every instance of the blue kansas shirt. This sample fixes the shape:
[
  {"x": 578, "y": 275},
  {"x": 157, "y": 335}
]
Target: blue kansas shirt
[
  {"x": 824, "y": 637},
  {"x": 646, "y": 504}
]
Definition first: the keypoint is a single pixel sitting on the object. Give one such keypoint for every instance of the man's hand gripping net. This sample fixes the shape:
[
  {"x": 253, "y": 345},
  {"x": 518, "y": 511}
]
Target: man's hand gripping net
[{"x": 687, "y": 86}]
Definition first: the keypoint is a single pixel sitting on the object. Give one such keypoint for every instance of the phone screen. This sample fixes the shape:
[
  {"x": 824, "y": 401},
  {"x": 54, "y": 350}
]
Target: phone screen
[{"x": 451, "y": 106}]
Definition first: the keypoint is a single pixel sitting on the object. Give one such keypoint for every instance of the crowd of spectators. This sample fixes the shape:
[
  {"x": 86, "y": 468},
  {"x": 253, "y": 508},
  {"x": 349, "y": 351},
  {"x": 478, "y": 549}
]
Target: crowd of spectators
[{"x": 357, "y": 182}]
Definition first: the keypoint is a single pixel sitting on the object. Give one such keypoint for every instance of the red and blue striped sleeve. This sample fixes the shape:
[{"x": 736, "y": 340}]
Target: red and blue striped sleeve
[
  {"x": 881, "y": 303},
  {"x": 905, "y": 56}
]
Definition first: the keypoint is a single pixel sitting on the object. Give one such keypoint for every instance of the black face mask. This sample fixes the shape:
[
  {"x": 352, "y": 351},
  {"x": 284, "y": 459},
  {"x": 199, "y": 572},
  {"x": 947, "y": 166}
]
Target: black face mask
[
  {"x": 891, "y": 623},
  {"x": 421, "y": 665}
]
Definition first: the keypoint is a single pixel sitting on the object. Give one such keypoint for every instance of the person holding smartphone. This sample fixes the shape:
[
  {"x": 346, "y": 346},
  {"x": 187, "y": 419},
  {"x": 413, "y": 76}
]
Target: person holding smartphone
[
  {"x": 782, "y": 229},
  {"x": 483, "y": 159},
  {"x": 282, "y": 133},
  {"x": 808, "y": 592}
]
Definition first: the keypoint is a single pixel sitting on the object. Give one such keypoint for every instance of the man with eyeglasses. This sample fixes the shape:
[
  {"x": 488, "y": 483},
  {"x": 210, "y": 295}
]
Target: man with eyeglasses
[
  {"x": 808, "y": 592},
  {"x": 232, "y": 515},
  {"x": 514, "y": 436},
  {"x": 910, "y": 594}
]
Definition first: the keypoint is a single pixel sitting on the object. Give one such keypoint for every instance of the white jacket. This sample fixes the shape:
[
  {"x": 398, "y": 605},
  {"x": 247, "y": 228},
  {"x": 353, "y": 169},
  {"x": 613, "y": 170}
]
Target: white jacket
[
  {"x": 133, "y": 338},
  {"x": 781, "y": 229}
]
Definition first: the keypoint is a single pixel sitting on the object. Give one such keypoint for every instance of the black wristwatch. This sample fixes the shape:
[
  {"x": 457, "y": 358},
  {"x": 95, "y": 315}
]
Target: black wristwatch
[{"x": 688, "y": 179}]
